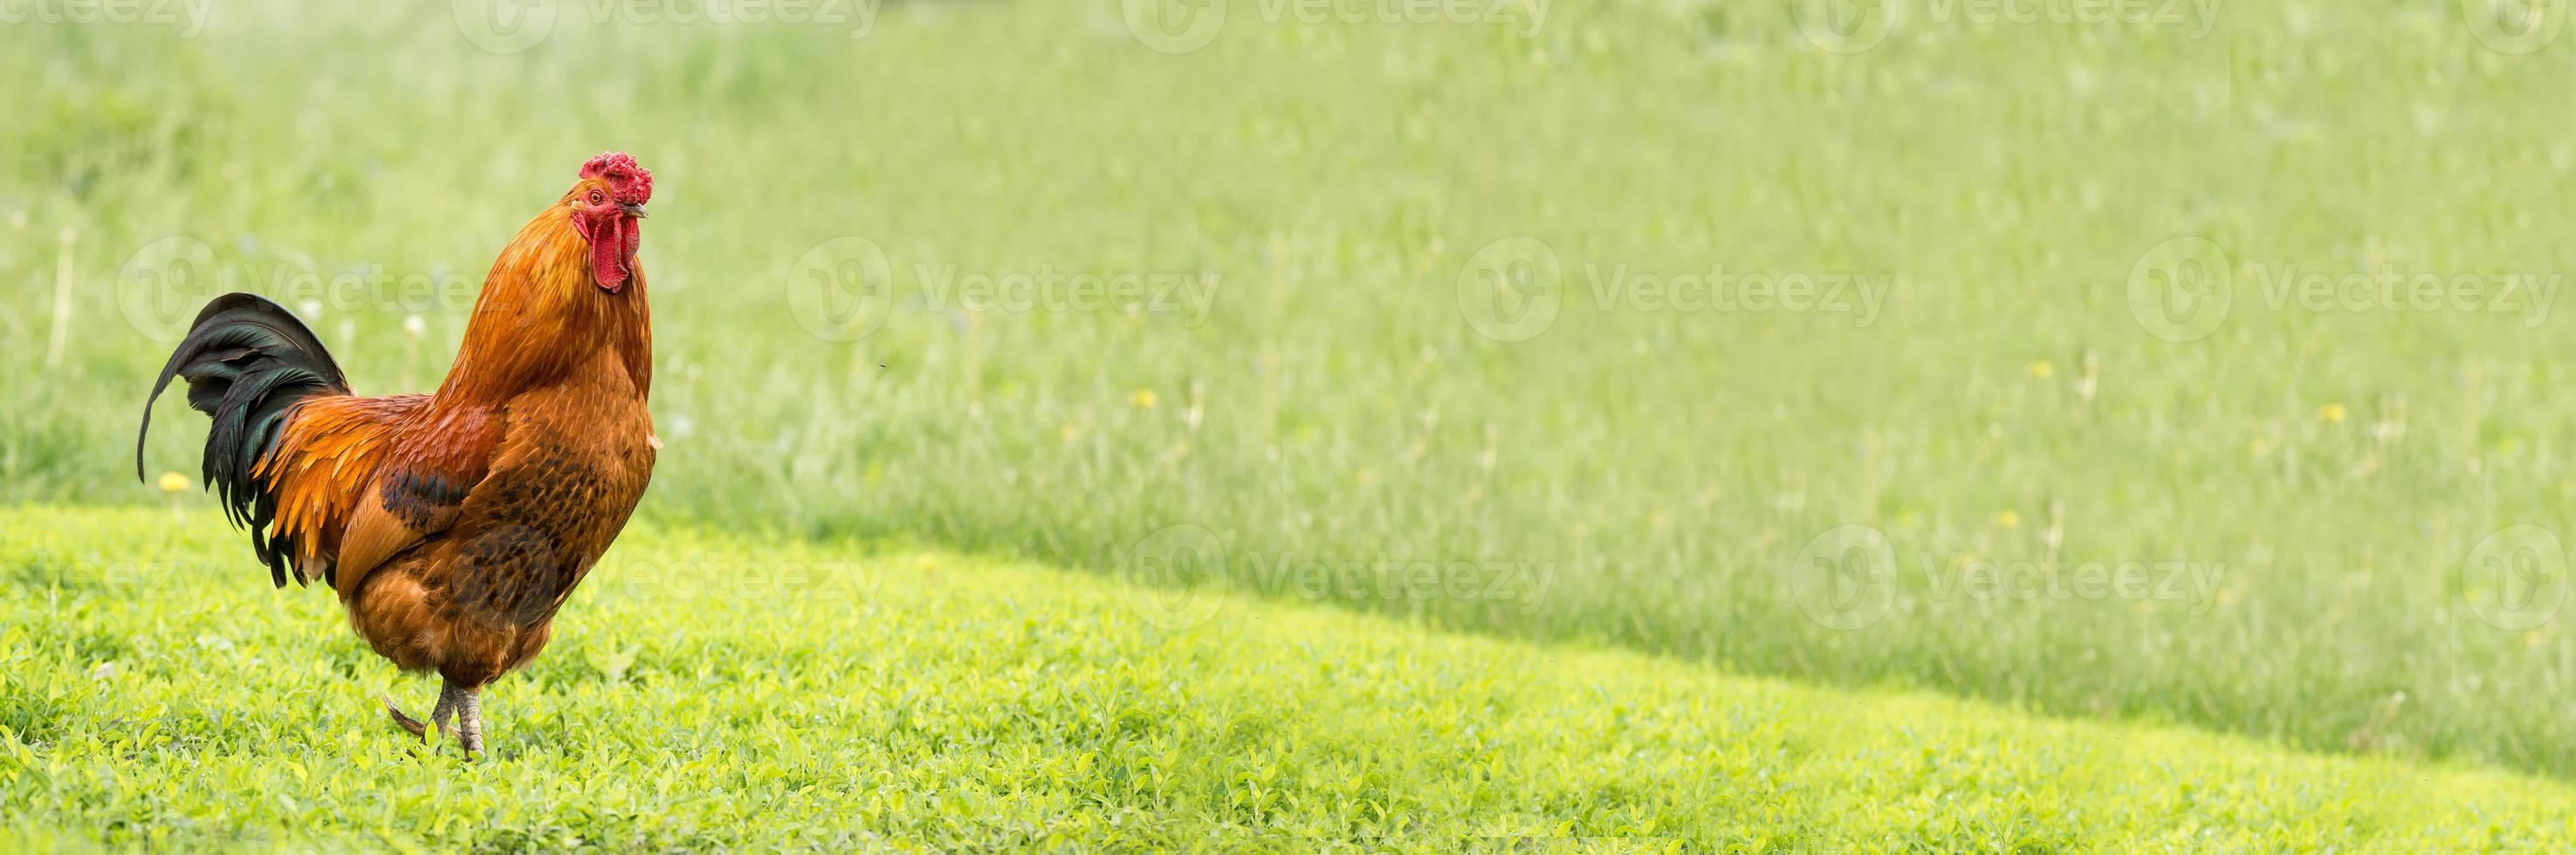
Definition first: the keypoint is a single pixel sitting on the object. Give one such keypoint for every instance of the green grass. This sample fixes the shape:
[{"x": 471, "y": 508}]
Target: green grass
[
  {"x": 712, "y": 690},
  {"x": 1665, "y": 468}
]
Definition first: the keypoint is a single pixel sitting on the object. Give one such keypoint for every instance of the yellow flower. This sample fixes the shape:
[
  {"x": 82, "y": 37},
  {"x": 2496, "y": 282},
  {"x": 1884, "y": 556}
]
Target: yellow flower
[
  {"x": 1068, "y": 431},
  {"x": 173, "y": 482},
  {"x": 2331, "y": 412},
  {"x": 2007, "y": 519},
  {"x": 1142, "y": 398},
  {"x": 2042, "y": 369}
]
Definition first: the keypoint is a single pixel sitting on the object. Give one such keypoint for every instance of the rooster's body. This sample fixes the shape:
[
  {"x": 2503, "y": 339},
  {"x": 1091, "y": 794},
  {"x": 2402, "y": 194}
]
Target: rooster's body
[{"x": 452, "y": 525}]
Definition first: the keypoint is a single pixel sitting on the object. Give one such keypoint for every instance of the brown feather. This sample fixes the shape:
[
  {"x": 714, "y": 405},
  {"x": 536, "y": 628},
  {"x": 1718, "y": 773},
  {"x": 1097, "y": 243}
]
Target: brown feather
[{"x": 373, "y": 535}]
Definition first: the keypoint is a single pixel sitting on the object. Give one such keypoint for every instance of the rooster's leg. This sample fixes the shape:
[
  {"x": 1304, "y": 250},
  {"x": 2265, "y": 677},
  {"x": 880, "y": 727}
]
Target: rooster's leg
[
  {"x": 469, "y": 720},
  {"x": 448, "y": 699}
]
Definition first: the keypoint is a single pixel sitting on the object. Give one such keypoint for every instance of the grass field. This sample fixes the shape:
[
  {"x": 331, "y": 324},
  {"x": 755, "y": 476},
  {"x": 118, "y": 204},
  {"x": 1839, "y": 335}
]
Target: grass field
[
  {"x": 1993, "y": 467},
  {"x": 715, "y": 690}
]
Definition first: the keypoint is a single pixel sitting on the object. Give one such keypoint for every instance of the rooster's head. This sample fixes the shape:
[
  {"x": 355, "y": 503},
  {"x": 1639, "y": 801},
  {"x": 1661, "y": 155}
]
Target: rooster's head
[{"x": 605, "y": 207}]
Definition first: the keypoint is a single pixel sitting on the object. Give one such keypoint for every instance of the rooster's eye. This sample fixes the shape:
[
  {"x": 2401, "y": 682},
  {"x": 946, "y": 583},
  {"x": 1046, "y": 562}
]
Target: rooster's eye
[{"x": 596, "y": 198}]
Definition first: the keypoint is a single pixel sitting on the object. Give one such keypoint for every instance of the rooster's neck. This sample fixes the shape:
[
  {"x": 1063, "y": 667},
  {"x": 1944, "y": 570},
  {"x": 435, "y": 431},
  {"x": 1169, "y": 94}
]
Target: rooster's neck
[{"x": 541, "y": 315}]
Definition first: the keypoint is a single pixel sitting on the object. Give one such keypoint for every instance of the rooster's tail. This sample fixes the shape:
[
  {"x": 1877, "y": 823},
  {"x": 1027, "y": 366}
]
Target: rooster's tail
[{"x": 247, "y": 361}]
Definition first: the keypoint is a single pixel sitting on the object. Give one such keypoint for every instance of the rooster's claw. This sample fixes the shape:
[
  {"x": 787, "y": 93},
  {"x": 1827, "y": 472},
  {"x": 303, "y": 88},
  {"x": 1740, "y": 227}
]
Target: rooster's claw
[{"x": 405, "y": 722}]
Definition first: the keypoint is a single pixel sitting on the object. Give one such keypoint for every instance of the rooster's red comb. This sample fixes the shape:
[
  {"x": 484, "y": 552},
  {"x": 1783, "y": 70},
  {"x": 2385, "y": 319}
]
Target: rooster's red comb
[{"x": 631, "y": 181}]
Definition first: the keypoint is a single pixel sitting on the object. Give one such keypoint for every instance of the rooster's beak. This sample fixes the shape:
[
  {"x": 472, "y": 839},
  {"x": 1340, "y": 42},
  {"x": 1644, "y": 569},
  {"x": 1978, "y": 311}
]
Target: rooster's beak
[{"x": 633, "y": 209}]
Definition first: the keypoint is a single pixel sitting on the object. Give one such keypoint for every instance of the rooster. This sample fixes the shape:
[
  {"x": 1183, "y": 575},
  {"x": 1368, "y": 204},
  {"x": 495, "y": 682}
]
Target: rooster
[{"x": 451, "y": 525}]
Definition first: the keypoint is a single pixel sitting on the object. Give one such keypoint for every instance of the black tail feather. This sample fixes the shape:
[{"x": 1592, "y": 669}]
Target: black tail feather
[{"x": 247, "y": 360}]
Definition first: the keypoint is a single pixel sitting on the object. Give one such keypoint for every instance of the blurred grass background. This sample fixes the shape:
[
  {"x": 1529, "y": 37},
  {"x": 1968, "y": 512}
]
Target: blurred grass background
[{"x": 1336, "y": 403}]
